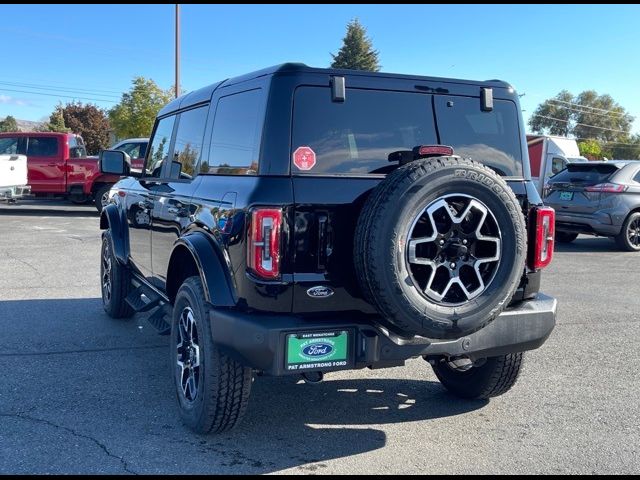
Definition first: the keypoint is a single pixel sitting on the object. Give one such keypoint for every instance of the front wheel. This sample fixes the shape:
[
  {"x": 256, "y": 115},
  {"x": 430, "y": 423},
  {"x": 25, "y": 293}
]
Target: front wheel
[
  {"x": 629, "y": 237},
  {"x": 212, "y": 389},
  {"x": 115, "y": 281},
  {"x": 493, "y": 378}
]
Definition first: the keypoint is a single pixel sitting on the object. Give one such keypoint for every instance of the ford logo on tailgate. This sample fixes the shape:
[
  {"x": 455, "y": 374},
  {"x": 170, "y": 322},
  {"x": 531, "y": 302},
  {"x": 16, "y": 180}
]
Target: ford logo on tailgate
[
  {"x": 319, "y": 292},
  {"x": 317, "y": 349}
]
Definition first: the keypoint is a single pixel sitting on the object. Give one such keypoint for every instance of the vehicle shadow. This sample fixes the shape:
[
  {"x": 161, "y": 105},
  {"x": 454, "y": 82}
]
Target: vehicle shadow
[
  {"x": 93, "y": 377},
  {"x": 588, "y": 244}
]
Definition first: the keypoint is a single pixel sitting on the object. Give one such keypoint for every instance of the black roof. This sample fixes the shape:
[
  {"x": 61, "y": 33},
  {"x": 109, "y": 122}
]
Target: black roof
[{"x": 203, "y": 94}]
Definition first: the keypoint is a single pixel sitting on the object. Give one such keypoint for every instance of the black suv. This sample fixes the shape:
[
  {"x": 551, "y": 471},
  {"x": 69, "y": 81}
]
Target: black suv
[{"x": 296, "y": 221}]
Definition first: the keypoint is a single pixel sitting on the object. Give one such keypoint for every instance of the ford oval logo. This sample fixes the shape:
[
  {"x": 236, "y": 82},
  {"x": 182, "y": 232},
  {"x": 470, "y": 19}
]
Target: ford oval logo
[
  {"x": 320, "y": 292},
  {"x": 317, "y": 350}
]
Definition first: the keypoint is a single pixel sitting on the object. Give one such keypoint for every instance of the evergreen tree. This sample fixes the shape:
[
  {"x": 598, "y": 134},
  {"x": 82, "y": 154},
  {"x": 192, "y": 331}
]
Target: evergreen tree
[
  {"x": 9, "y": 124},
  {"x": 357, "y": 51}
]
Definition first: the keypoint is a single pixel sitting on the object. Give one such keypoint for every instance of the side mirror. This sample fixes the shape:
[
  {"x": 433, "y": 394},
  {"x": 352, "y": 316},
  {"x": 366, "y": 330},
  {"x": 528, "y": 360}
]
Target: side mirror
[{"x": 115, "y": 162}]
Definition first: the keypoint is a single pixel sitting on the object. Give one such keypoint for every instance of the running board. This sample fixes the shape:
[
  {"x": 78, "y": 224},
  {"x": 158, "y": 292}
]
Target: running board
[
  {"x": 143, "y": 299},
  {"x": 160, "y": 319}
]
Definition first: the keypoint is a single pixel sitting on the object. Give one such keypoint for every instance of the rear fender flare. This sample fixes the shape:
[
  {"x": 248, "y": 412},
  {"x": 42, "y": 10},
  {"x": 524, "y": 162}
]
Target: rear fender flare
[{"x": 212, "y": 268}]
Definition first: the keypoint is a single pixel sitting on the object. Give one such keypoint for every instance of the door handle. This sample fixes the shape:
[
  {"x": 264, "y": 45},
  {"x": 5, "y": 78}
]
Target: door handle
[{"x": 52, "y": 165}]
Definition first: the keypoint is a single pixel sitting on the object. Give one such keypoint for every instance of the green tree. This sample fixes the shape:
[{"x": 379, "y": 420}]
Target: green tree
[
  {"x": 552, "y": 116},
  {"x": 87, "y": 120},
  {"x": 626, "y": 148},
  {"x": 590, "y": 149},
  {"x": 9, "y": 124},
  {"x": 357, "y": 51},
  {"x": 585, "y": 116},
  {"x": 137, "y": 110},
  {"x": 56, "y": 121}
]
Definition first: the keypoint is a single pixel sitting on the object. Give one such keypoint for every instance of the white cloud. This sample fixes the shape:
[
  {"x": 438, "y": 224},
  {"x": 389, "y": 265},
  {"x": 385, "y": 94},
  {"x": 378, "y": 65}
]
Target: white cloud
[{"x": 7, "y": 100}]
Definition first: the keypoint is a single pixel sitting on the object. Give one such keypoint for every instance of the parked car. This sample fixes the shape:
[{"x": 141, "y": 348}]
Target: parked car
[
  {"x": 548, "y": 155},
  {"x": 136, "y": 148},
  {"x": 305, "y": 220},
  {"x": 58, "y": 166},
  {"x": 13, "y": 176},
  {"x": 597, "y": 198}
]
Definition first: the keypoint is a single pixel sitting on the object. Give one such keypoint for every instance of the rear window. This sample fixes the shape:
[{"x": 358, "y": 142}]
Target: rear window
[
  {"x": 357, "y": 136},
  {"x": 42, "y": 147},
  {"x": 10, "y": 146},
  {"x": 584, "y": 173},
  {"x": 492, "y": 138}
]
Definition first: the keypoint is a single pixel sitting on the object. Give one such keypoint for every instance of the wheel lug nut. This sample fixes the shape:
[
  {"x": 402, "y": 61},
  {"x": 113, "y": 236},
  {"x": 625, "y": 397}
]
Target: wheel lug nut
[
  {"x": 453, "y": 265},
  {"x": 464, "y": 242},
  {"x": 441, "y": 242}
]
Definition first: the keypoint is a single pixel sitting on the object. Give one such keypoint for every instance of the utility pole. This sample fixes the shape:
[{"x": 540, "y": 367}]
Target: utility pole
[{"x": 177, "y": 87}]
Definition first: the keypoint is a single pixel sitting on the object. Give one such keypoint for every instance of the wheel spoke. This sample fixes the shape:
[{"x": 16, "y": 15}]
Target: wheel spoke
[{"x": 469, "y": 250}]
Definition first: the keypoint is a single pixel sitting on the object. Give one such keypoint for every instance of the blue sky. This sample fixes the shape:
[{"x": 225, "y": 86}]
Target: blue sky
[{"x": 92, "y": 52}]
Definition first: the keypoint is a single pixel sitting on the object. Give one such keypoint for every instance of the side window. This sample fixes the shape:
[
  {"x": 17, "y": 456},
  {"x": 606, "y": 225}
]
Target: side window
[
  {"x": 557, "y": 164},
  {"x": 130, "y": 149},
  {"x": 42, "y": 146},
  {"x": 636, "y": 178},
  {"x": 10, "y": 146},
  {"x": 76, "y": 147},
  {"x": 188, "y": 143},
  {"x": 159, "y": 147},
  {"x": 235, "y": 140}
]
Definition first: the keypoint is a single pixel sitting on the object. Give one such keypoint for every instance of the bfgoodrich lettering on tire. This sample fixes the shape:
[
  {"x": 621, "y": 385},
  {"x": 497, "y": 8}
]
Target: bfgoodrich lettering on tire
[{"x": 440, "y": 247}]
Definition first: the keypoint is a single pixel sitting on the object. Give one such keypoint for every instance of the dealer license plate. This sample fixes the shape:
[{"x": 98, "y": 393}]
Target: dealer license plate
[{"x": 317, "y": 351}]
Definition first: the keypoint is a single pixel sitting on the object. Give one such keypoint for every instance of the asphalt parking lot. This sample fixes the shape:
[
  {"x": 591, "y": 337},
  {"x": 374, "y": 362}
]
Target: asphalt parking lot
[{"x": 82, "y": 393}]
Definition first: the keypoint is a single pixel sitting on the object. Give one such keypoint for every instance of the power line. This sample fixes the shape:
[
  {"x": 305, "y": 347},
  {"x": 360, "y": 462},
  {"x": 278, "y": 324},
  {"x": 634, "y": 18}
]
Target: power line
[
  {"x": 581, "y": 124},
  {"x": 586, "y": 106},
  {"x": 591, "y": 113},
  {"x": 58, "y": 96},
  {"x": 34, "y": 86}
]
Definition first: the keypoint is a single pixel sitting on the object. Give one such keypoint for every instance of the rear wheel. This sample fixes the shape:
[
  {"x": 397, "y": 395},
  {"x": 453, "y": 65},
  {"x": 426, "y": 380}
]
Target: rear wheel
[
  {"x": 565, "y": 237},
  {"x": 212, "y": 389},
  {"x": 493, "y": 378},
  {"x": 629, "y": 237},
  {"x": 101, "y": 197}
]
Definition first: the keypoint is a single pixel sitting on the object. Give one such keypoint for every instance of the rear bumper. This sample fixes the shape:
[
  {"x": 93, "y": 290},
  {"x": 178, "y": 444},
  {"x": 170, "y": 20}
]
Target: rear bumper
[
  {"x": 259, "y": 340},
  {"x": 599, "y": 223}
]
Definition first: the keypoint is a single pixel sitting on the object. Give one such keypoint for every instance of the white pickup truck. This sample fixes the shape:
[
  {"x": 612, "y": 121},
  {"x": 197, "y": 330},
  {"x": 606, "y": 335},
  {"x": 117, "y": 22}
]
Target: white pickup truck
[{"x": 13, "y": 177}]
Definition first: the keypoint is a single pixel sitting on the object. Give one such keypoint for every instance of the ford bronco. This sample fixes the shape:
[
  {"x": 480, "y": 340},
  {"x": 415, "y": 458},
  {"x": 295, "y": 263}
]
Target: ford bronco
[{"x": 298, "y": 221}]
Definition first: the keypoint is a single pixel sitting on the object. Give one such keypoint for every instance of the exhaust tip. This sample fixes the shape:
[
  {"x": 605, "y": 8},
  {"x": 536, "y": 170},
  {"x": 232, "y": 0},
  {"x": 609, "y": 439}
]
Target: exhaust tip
[{"x": 313, "y": 378}]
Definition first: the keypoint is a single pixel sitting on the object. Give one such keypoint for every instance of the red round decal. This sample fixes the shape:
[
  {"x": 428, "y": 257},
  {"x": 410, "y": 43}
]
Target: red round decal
[{"x": 304, "y": 158}]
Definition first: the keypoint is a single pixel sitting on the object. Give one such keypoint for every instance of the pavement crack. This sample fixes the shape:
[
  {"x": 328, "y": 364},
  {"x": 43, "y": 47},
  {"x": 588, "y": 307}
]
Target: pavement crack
[
  {"x": 24, "y": 262},
  {"x": 87, "y": 350},
  {"x": 102, "y": 446}
]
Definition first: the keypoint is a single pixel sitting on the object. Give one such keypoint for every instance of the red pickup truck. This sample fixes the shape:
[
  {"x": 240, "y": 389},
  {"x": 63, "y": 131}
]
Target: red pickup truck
[{"x": 58, "y": 166}]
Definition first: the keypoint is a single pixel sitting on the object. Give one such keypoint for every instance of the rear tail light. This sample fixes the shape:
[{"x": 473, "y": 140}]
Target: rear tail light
[
  {"x": 264, "y": 242},
  {"x": 544, "y": 224},
  {"x": 606, "y": 188}
]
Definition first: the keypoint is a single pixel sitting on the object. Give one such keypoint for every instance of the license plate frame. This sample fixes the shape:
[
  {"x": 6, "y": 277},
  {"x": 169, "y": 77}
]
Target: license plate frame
[
  {"x": 566, "y": 196},
  {"x": 324, "y": 350}
]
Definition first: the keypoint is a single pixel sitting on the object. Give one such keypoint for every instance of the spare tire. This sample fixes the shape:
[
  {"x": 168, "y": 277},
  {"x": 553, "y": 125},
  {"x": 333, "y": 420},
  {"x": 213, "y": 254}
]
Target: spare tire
[{"x": 440, "y": 247}]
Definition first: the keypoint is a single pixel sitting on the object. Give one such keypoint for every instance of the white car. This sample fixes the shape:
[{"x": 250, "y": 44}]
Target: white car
[
  {"x": 13, "y": 177},
  {"x": 134, "y": 147}
]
